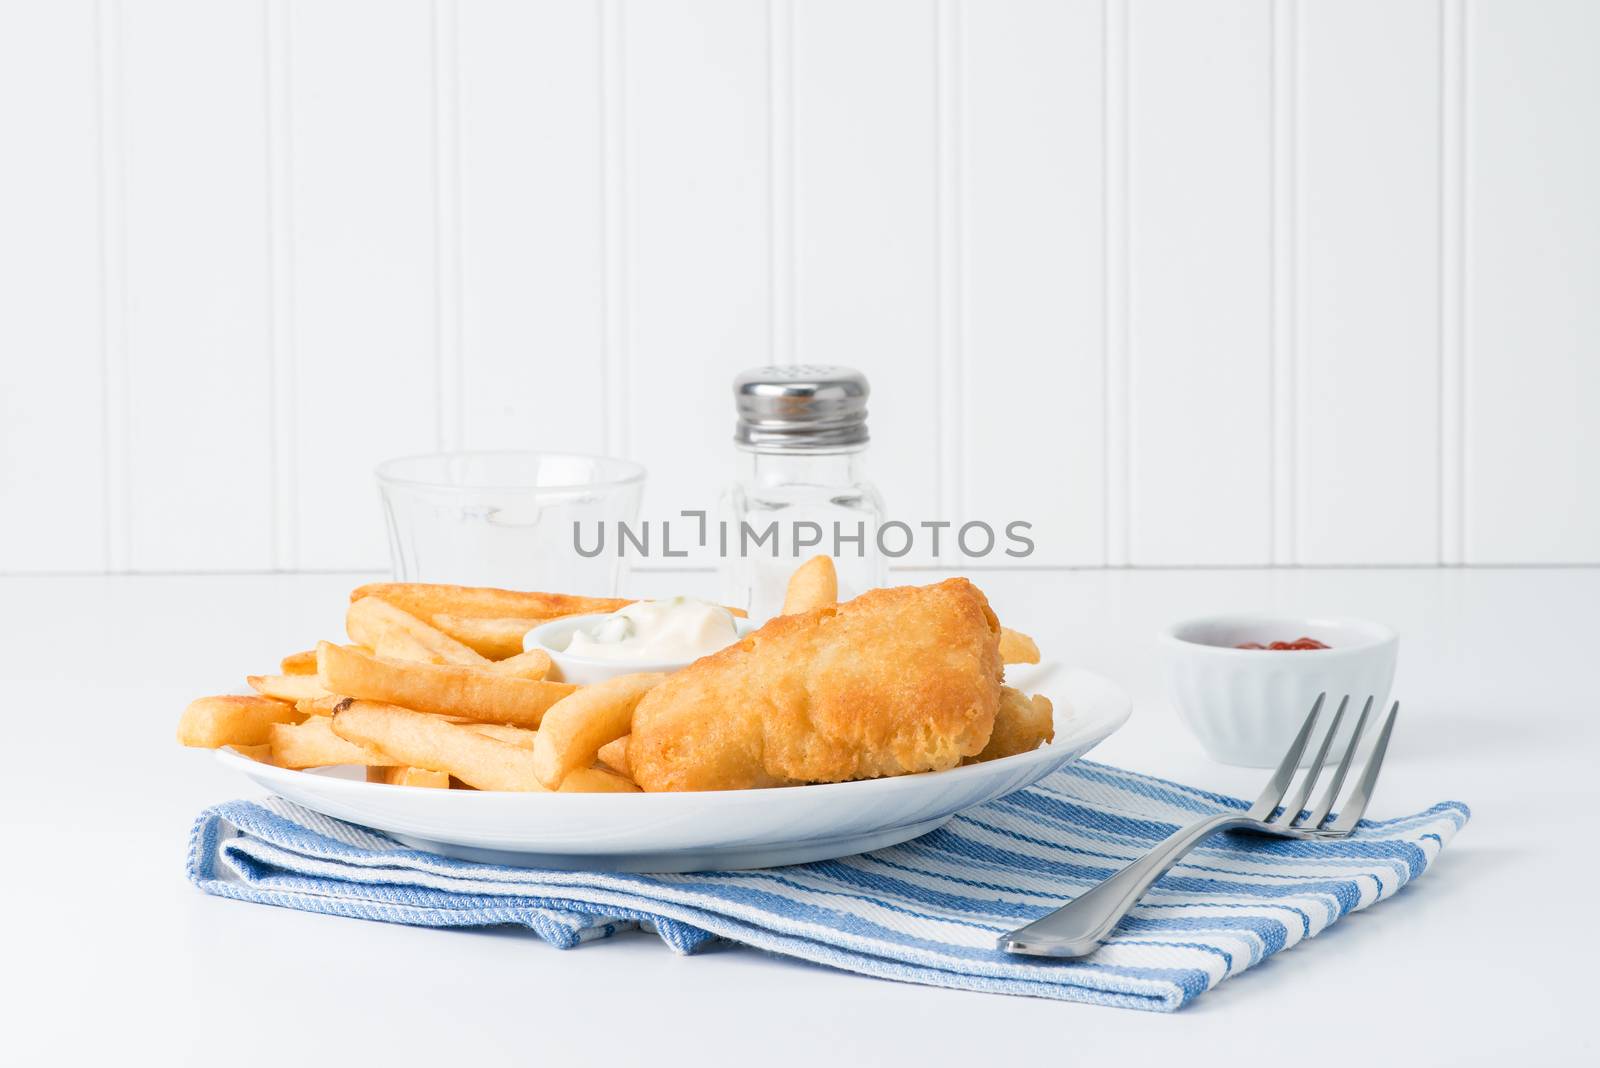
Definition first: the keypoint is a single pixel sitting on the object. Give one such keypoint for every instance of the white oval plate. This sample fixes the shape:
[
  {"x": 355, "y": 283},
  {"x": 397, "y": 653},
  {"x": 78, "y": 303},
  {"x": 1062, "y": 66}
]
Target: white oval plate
[{"x": 669, "y": 832}]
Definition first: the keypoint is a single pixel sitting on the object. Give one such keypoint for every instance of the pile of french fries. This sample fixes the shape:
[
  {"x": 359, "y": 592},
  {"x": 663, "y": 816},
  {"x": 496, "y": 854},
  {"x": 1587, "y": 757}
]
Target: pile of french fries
[{"x": 434, "y": 689}]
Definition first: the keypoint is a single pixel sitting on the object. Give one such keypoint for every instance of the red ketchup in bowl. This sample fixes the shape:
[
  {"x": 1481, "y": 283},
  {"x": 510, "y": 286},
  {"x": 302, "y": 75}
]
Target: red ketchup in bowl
[{"x": 1298, "y": 643}]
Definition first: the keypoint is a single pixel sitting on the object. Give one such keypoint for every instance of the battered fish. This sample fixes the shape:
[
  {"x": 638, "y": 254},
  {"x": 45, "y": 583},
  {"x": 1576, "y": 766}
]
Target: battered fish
[{"x": 898, "y": 680}]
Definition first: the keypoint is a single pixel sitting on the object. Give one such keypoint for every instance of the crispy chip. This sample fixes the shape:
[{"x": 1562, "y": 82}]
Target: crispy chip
[
  {"x": 614, "y": 755},
  {"x": 409, "y": 776},
  {"x": 398, "y": 645},
  {"x": 313, "y": 744},
  {"x": 535, "y": 664},
  {"x": 290, "y": 688},
  {"x": 425, "y": 741},
  {"x": 425, "y": 600},
  {"x": 318, "y": 706},
  {"x": 448, "y": 689},
  {"x": 520, "y": 737},
  {"x": 1017, "y": 648},
  {"x": 597, "y": 781},
  {"x": 814, "y": 584},
  {"x": 232, "y": 719},
  {"x": 577, "y": 726},
  {"x": 372, "y": 621},
  {"x": 1021, "y": 725},
  {"x": 495, "y": 637}
]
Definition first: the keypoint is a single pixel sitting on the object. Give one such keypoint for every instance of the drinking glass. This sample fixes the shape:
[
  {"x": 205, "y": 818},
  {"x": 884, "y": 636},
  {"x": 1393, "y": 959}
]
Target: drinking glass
[{"x": 509, "y": 519}]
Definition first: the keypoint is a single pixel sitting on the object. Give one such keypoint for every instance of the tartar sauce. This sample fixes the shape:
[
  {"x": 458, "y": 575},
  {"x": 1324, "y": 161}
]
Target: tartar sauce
[{"x": 677, "y": 629}]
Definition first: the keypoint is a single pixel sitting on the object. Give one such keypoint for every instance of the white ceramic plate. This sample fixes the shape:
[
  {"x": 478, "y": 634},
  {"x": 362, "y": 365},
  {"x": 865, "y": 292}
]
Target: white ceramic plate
[{"x": 708, "y": 830}]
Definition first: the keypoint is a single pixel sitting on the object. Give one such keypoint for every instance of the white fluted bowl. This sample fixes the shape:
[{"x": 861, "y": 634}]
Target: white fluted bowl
[{"x": 1245, "y": 705}]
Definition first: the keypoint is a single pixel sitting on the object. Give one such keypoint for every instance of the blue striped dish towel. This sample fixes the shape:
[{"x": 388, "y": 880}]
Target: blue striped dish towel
[{"x": 927, "y": 911}]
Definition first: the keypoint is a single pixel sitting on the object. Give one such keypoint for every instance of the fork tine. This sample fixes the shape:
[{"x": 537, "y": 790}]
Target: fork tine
[
  {"x": 1267, "y": 803},
  {"x": 1369, "y": 777},
  {"x": 1325, "y": 806},
  {"x": 1292, "y": 807}
]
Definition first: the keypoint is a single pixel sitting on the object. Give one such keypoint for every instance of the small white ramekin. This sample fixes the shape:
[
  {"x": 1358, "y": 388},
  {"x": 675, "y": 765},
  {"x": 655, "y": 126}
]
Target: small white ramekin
[
  {"x": 554, "y": 636},
  {"x": 1245, "y": 705}
]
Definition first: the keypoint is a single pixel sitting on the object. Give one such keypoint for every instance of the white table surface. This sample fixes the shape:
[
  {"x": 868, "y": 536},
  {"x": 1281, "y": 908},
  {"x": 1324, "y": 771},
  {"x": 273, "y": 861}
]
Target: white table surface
[{"x": 108, "y": 950}]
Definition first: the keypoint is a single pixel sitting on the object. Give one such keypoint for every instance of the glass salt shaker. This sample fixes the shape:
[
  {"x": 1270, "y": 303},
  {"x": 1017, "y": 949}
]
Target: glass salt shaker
[{"x": 801, "y": 489}]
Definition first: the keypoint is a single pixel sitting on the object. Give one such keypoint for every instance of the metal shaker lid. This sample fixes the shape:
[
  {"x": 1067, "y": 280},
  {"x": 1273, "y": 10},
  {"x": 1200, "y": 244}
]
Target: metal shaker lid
[{"x": 800, "y": 409}]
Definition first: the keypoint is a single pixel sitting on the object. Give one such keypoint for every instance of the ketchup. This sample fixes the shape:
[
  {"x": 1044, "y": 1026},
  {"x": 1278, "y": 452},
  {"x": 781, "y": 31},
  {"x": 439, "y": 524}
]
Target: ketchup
[{"x": 1298, "y": 643}]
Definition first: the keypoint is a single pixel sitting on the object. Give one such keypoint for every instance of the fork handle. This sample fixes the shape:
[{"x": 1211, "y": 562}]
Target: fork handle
[{"x": 1082, "y": 925}]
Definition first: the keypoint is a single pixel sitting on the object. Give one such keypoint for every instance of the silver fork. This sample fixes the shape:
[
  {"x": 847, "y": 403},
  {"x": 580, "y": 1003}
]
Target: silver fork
[{"x": 1081, "y": 926}]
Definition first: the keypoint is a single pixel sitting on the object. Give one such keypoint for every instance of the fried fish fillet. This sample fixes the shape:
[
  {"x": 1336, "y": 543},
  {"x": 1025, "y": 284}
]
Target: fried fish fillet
[{"x": 899, "y": 680}]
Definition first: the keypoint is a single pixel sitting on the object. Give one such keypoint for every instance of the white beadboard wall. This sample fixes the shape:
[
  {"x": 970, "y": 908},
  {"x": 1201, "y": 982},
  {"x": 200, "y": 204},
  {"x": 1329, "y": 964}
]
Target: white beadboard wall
[{"x": 1184, "y": 282}]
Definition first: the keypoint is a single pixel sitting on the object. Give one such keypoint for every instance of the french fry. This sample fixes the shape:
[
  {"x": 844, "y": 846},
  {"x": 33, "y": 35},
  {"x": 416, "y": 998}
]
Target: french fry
[
  {"x": 496, "y": 637},
  {"x": 426, "y": 600},
  {"x": 814, "y": 584},
  {"x": 426, "y": 741},
  {"x": 520, "y": 737},
  {"x": 290, "y": 688},
  {"x": 1017, "y": 648},
  {"x": 1021, "y": 725},
  {"x": 614, "y": 755},
  {"x": 372, "y": 620},
  {"x": 313, "y": 744},
  {"x": 317, "y": 706},
  {"x": 232, "y": 719},
  {"x": 304, "y": 663},
  {"x": 534, "y": 664},
  {"x": 398, "y": 645},
  {"x": 597, "y": 781},
  {"x": 448, "y": 689},
  {"x": 261, "y": 754},
  {"x": 577, "y": 726},
  {"x": 409, "y": 776}
]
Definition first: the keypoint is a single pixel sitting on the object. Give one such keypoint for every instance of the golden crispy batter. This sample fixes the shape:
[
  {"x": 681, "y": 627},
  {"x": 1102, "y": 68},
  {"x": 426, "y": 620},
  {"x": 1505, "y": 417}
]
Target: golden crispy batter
[
  {"x": 1021, "y": 725},
  {"x": 896, "y": 681}
]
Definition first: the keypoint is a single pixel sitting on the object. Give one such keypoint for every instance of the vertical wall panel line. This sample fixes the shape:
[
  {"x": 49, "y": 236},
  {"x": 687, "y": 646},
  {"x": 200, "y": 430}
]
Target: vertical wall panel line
[
  {"x": 1298, "y": 416},
  {"x": 1115, "y": 252},
  {"x": 780, "y": 181},
  {"x": 446, "y": 151},
  {"x": 1453, "y": 247},
  {"x": 1287, "y": 217},
  {"x": 613, "y": 239},
  {"x": 114, "y": 399},
  {"x": 280, "y": 284},
  {"x": 949, "y": 70}
]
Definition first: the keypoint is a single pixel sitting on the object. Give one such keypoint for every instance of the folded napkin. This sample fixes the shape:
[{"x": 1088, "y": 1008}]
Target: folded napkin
[{"x": 927, "y": 911}]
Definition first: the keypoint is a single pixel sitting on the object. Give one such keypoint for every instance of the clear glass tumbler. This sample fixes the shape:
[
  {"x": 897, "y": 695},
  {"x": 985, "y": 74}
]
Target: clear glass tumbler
[{"x": 509, "y": 519}]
